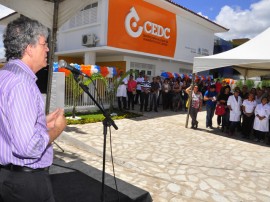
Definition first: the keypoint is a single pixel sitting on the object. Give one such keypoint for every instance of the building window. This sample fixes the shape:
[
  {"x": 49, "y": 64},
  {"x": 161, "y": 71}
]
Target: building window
[
  {"x": 184, "y": 71},
  {"x": 86, "y": 16},
  {"x": 148, "y": 69}
]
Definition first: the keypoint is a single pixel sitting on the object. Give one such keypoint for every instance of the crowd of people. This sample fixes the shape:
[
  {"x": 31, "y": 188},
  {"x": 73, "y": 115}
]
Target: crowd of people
[
  {"x": 242, "y": 110},
  {"x": 170, "y": 93}
]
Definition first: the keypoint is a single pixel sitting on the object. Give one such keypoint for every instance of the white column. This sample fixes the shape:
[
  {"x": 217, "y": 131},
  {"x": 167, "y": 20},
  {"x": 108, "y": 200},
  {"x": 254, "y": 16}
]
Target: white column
[
  {"x": 58, "y": 91},
  {"x": 89, "y": 58}
]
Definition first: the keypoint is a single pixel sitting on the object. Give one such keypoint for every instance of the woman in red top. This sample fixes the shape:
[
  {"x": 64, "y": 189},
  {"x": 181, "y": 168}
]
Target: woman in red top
[{"x": 131, "y": 91}]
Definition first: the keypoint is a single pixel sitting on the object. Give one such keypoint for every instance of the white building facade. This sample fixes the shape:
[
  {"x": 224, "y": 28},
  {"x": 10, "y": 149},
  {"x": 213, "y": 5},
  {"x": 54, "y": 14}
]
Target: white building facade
[{"x": 144, "y": 35}]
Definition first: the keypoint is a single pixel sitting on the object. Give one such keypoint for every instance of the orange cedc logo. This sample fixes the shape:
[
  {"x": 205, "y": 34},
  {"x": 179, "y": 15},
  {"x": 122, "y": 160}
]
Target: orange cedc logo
[
  {"x": 141, "y": 26},
  {"x": 149, "y": 27}
]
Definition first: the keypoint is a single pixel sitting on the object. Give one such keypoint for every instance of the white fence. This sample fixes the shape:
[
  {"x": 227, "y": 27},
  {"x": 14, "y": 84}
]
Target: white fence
[{"x": 97, "y": 89}]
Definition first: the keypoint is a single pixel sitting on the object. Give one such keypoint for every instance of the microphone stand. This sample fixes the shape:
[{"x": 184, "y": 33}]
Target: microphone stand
[{"x": 107, "y": 122}]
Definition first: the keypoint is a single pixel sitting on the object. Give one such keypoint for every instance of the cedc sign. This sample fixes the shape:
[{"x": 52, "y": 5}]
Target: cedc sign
[
  {"x": 140, "y": 26},
  {"x": 148, "y": 27}
]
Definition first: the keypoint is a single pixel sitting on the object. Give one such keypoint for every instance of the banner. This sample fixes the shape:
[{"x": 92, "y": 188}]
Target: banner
[{"x": 141, "y": 26}]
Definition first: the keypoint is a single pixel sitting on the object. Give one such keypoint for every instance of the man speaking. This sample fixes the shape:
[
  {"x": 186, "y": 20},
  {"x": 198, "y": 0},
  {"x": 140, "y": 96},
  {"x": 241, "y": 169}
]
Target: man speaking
[{"x": 26, "y": 133}]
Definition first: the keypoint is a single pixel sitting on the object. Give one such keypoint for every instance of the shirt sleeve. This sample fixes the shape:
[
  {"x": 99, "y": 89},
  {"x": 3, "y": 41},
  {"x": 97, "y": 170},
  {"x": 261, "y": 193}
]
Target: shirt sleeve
[
  {"x": 29, "y": 136},
  {"x": 125, "y": 80},
  {"x": 256, "y": 112},
  {"x": 229, "y": 101},
  {"x": 201, "y": 97},
  {"x": 244, "y": 103}
]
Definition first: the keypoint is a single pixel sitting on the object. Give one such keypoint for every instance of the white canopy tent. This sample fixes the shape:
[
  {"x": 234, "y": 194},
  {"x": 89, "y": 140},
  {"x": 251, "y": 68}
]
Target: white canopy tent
[
  {"x": 250, "y": 59},
  {"x": 43, "y": 10},
  {"x": 51, "y": 13}
]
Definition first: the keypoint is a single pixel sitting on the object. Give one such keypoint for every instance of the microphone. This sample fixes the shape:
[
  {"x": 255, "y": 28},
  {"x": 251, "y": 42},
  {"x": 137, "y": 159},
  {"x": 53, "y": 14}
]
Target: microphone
[{"x": 63, "y": 64}]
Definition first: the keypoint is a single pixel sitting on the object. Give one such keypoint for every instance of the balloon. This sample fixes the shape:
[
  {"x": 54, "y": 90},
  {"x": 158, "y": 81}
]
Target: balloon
[{"x": 164, "y": 74}]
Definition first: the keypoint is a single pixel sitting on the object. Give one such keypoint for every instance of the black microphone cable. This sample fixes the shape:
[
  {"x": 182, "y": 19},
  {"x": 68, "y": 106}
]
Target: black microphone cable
[
  {"x": 116, "y": 187},
  {"x": 110, "y": 133}
]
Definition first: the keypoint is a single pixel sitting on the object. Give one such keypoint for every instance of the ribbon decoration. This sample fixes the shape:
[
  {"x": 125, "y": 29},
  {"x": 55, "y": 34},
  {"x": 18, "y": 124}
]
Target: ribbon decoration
[{"x": 107, "y": 72}]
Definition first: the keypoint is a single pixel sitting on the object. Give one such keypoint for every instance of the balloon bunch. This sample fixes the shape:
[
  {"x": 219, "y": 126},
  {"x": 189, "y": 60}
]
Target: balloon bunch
[
  {"x": 186, "y": 76},
  {"x": 229, "y": 81},
  {"x": 170, "y": 75},
  {"x": 107, "y": 72}
]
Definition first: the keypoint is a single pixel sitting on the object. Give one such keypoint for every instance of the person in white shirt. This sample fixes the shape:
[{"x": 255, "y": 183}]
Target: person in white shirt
[
  {"x": 165, "y": 94},
  {"x": 195, "y": 105},
  {"x": 259, "y": 95},
  {"x": 139, "y": 80},
  {"x": 268, "y": 134},
  {"x": 146, "y": 87},
  {"x": 261, "y": 122},
  {"x": 121, "y": 93},
  {"x": 234, "y": 104},
  {"x": 248, "y": 108}
]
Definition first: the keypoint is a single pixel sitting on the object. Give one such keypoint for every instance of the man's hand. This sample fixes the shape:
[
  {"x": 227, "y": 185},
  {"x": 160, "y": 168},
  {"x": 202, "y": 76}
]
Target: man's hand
[
  {"x": 56, "y": 123},
  {"x": 261, "y": 117},
  {"x": 60, "y": 120},
  {"x": 50, "y": 118}
]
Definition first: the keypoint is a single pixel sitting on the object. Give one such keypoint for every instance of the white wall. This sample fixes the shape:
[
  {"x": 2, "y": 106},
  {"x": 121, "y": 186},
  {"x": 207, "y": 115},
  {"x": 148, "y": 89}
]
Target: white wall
[
  {"x": 57, "y": 91},
  {"x": 161, "y": 65},
  {"x": 110, "y": 58},
  {"x": 71, "y": 39},
  {"x": 192, "y": 39}
]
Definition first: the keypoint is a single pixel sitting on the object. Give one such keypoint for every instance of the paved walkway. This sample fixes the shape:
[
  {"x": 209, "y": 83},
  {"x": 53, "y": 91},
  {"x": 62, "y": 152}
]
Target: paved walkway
[{"x": 158, "y": 154}]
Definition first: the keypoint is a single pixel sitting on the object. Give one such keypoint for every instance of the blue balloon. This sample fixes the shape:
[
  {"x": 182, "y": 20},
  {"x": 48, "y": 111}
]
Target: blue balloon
[
  {"x": 114, "y": 71},
  {"x": 55, "y": 66},
  {"x": 98, "y": 68},
  {"x": 176, "y": 75},
  {"x": 77, "y": 66},
  {"x": 164, "y": 74}
]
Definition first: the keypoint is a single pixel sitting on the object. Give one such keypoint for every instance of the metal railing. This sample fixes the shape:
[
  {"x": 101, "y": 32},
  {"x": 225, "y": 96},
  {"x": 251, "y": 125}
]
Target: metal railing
[{"x": 96, "y": 88}]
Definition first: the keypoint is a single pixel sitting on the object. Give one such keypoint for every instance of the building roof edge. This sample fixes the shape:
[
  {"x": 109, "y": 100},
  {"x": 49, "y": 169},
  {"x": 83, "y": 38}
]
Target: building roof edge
[{"x": 190, "y": 11}]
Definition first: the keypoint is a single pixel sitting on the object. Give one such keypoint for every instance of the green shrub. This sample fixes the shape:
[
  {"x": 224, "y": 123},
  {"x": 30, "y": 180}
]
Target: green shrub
[
  {"x": 93, "y": 117},
  {"x": 250, "y": 84},
  {"x": 265, "y": 83},
  {"x": 239, "y": 83}
]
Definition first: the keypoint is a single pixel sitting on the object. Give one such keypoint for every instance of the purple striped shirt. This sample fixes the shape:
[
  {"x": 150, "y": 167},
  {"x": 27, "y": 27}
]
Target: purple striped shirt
[{"x": 23, "y": 132}]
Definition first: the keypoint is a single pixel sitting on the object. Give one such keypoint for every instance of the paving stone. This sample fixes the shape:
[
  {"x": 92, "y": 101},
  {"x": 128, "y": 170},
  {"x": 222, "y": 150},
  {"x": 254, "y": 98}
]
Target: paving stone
[
  {"x": 158, "y": 154},
  {"x": 203, "y": 185},
  {"x": 174, "y": 188},
  {"x": 201, "y": 195}
]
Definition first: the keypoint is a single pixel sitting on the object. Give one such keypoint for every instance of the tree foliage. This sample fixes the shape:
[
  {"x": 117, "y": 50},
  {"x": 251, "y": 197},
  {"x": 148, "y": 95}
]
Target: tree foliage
[
  {"x": 239, "y": 83},
  {"x": 112, "y": 88},
  {"x": 77, "y": 91},
  {"x": 250, "y": 84}
]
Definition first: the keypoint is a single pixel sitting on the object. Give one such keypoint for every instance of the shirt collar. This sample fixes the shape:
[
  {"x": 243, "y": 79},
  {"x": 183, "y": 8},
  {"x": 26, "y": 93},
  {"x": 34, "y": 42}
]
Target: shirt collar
[{"x": 25, "y": 67}]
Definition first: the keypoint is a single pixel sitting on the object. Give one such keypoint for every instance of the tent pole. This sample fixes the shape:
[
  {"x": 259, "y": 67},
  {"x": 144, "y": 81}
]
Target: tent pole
[
  {"x": 189, "y": 97},
  {"x": 51, "y": 54},
  {"x": 245, "y": 75}
]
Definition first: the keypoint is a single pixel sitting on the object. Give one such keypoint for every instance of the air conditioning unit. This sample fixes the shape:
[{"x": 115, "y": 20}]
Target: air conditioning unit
[{"x": 89, "y": 40}]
